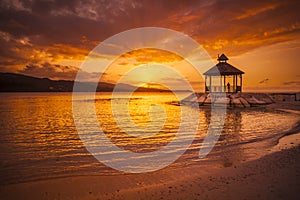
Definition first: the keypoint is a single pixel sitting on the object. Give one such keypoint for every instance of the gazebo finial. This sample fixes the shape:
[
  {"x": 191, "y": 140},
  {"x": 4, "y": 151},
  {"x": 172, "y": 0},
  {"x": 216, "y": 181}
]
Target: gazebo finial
[{"x": 222, "y": 58}]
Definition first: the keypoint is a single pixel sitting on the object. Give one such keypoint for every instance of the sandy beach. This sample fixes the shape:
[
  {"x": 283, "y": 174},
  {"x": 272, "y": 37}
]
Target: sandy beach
[
  {"x": 275, "y": 176},
  {"x": 272, "y": 176}
]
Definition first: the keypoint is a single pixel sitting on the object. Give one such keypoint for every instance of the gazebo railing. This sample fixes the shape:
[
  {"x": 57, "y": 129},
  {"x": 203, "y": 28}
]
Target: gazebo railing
[{"x": 223, "y": 89}]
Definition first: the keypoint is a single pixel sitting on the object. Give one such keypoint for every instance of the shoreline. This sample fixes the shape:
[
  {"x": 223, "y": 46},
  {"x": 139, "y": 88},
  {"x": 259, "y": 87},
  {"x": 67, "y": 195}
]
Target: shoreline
[{"x": 273, "y": 176}]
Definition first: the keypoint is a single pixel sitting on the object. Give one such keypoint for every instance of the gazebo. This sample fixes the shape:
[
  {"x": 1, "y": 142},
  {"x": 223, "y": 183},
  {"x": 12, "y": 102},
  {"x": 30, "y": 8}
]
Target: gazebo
[{"x": 218, "y": 74}]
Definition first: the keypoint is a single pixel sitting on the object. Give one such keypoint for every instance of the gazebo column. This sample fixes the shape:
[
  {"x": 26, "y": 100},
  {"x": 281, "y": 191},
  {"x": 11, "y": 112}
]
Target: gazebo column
[
  {"x": 233, "y": 83},
  {"x": 236, "y": 83},
  {"x": 210, "y": 84},
  {"x": 224, "y": 83},
  {"x": 221, "y": 87},
  {"x": 205, "y": 83},
  {"x": 241, "y": 82}
]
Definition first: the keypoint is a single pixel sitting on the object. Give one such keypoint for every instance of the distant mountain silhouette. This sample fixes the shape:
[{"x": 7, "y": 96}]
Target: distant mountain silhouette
[{"x": 11, "y": 82}]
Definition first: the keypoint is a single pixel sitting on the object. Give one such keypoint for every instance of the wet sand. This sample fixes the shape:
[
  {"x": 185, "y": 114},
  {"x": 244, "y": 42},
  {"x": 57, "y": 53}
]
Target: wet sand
[{"x": 274, "y": 176}]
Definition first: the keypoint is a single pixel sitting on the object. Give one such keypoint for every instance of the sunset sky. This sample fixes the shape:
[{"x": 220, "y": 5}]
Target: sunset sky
[{"x": 52, "y": 38}]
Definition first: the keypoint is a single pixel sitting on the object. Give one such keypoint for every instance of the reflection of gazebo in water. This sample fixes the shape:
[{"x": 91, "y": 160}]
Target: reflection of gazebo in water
[{"x": 217, "y": 77}]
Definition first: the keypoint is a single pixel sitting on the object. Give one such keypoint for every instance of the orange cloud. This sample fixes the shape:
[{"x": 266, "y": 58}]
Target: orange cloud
[
  {"x": 138, "y": 57},
  {"x": 255, "y": 11},
  {"x": 150, "y": 55},
  {"x": 58, "y": 52}
]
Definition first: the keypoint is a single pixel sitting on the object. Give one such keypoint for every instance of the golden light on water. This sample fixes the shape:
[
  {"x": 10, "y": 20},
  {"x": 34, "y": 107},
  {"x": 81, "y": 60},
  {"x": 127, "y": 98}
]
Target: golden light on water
[
  {"x": 38, "y": 138},
  {"x": 139, "y": 109}
]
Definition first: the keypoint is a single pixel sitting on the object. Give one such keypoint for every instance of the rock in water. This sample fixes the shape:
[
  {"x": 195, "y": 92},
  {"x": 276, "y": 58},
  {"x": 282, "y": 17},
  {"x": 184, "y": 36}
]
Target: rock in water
[
  {"x": 297, "y": 96},
  {"x": 208, "y": 99},
  {"x": 237, "y": 103},
  {"x": 202, "y": 99},
  {"x": 245, "y": 103}
]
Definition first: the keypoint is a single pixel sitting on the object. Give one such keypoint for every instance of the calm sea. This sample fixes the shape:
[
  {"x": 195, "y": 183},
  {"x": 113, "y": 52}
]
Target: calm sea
[{"x": 39, "y": 140}]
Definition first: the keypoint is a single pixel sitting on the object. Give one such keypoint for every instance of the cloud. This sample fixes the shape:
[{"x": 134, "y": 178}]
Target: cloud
[
  {"x": 36, "y": 32},
  {"x": 50, "y": 71},
  {"x": 256, "y": 11},
  {"x": 146, "y": 55},
  {"x": 58, "y": 72},
  {"x": 236, "y": 28},
  {"x": 209, "y": 23},
  {"x": 296, "y": 83},
  {"x": 20, "y": 52}
]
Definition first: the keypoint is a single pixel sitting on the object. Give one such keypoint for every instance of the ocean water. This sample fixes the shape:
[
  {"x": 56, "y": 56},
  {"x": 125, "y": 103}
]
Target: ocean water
[{"x": 39, "y": 140}]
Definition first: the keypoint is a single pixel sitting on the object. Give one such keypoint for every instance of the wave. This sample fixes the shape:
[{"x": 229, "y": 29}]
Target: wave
[{"x": 294, "y": 130}]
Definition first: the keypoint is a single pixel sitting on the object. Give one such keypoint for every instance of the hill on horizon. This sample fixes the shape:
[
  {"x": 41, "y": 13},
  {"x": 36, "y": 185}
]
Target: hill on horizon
[{"x": 12, "y": 82}]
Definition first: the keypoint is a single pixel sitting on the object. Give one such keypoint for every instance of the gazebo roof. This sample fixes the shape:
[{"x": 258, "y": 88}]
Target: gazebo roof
[{"x": 223, "y": 68}]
